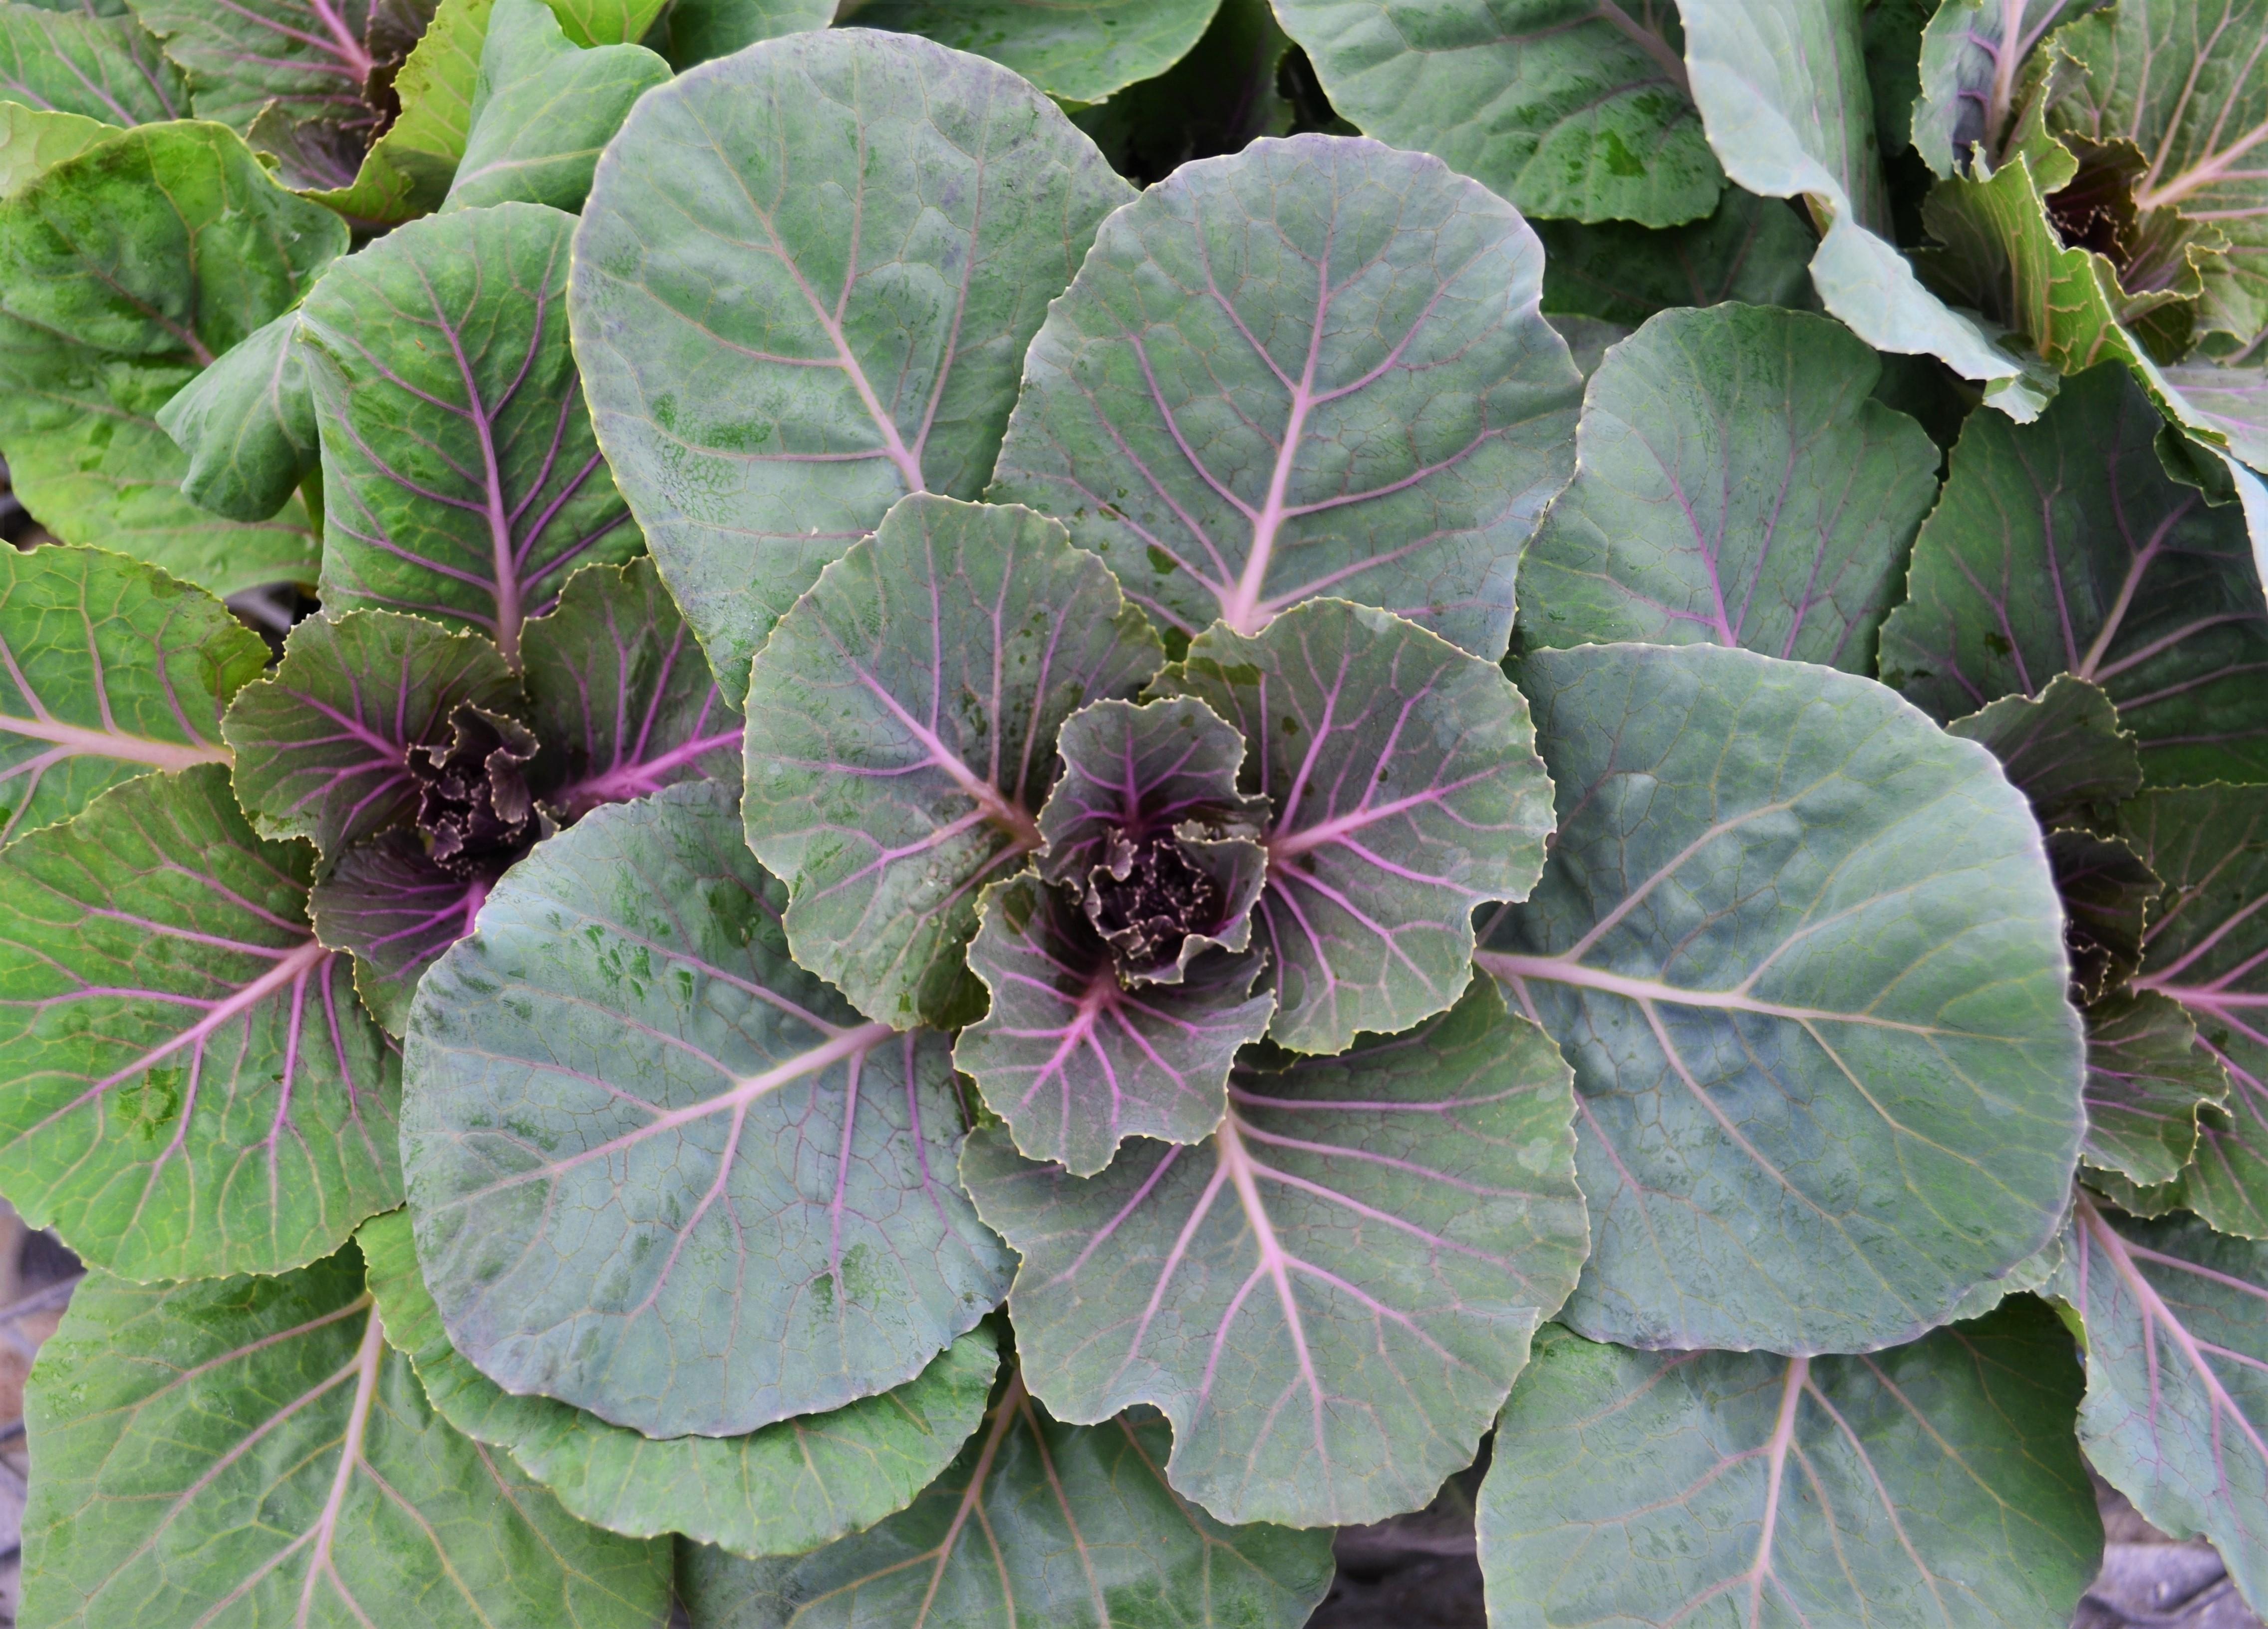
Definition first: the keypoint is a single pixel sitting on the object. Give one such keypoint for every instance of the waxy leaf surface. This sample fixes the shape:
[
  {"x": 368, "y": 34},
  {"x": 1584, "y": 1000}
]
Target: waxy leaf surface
[
  {"x": 2177, "y": 1410},
  {"x": 191, "y": 1088},
  {"x": 1567, "y": 107},
  {"x": 2063, "y": 749},
  {"x": 310, "y": 58},
  {"x": 781, "y": 1491},
  {"x": 2145, "y": 1079},
  {"x": 1805, "y": 956},
  {"x": 1315, "y": 367},
  {"x": 1972, "y": 78},
  {"x": 660, "y": 1172},
  {"x": 901, "y": 738},
  {"x": 123, "y": 272},
  {"x": 247, "y": 423},
  {"x": 1329, "y": 1297},
  {"x": 102, "y": 67},
  {"x": 460, "y": 479},
  {"x": 1752, "y": 249},
  {"x": 2065, "y": 546},
  {"x": 1081, "y": 50},
  {"x": 1406, "y": 791},
  {"x": 1735, "y": 483},
  {"x": 1037, "y": 1522},
  {"x": 255, "y": 1451},
  {"x": 804, "y": 285},
  {"x": 1937, "y": 1482},
  {"x": 108, "y": 670}
]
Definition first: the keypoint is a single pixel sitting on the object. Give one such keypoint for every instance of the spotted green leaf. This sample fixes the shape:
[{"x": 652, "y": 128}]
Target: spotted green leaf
[
  {"x": 1756, "y": 250},
  {"x": 1079, "y": 50}
]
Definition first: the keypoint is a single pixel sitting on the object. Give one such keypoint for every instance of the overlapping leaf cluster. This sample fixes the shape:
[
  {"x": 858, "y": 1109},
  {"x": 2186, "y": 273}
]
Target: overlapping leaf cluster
[{"x": 977, "y": 896}]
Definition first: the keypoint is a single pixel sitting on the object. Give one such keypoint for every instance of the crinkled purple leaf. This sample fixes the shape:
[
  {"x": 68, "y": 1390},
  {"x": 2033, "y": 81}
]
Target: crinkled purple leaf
[
  {"x": 322, "y": 743},
  {"x": 396, "y": 909},
  {"x": 1329, "y": 1297},
  {"x": 2065, "y": 749},
  {"x": 2107, "y": 893},
  {"x": 2065, "y": 546},
  {"x": 1405, "y": 792},
  {"x": 103, "y": 67},
  {"x": 310, "y": 58},
  {"x": 1805, "y": 953},
  {"x": 108, "y": 670},
  {"x": 2177, "y": 1410},
  {"x": 619, "y": 695},
  {"x": 190, "y": 1087},
  {"x": 660, "y": 1172},
  {"x": 804, "y": 285},
  {"x": 2146, "y": 1078},
  {"x": 460, "y": 478},
  {"x": 1316, "y": 367},
  {"x": 1075, "y": 1060},
  {"x": 901, "y": 737}
]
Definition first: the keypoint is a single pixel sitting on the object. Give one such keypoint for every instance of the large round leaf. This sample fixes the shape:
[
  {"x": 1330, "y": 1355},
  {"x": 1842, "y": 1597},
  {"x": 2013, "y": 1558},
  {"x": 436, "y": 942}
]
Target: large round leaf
[
  {"x": 660, "y": 1172},
  {"x": 901, "y": 737},
  {"x": 1735, "y": 483},
  {"x": 1315, "y": 367},
  {"x": 1936, "y": 1483},
  {"x": 1037, "y": 1523},
  {"x": 781, "y": 1491},
  {"x": 108, "y": 670},
  {"x": 1330, "y": 1296},
  {"x": 804, "y": 284},
  {"x": 254, "y": 1451},
  {"x": 460, "y": 475},
  {"x": 1805, "y": 956},
  {"x": 1082, "y": 51},
  {"x": 190, "y": 1088}
]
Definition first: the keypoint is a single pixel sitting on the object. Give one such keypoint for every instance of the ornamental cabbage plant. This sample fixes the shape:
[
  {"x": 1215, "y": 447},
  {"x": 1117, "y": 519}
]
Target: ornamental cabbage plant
[{"x": 951, "y": 815}]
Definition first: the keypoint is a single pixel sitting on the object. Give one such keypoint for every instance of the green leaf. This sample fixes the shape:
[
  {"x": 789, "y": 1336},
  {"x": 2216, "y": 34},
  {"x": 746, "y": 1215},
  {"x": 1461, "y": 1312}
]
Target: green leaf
[
  {"x": 1973, "y": 55},
  {"x": 606, "y": 22},
  {"x": 781, "y": 1491},
  {"x": 1406, "y": 793},
  {"x": 660, "y": 1172},
  {"x": 108, "y": 670},
  {"x": 1805, "y": 953},
  {"x": 1077, "y": 50},
  {"x": 1216, "y": 100},
  {"x": 460, "y": 478},
  {"x": 1074, "y": 1060},
  {"x": 191, "y": 1089},
  {"x": 322, "y": 743},
  {"x": 387, "y": 900},
  {"x": 1567, "y": 107},
  {"x": 696, "y": 31},
  {"x": 2177, "y": 1410},
  {"x": 122, "y": 273},
  {"x": 2065, "y": 546},
  {"x": 901, "y": 728},
  {"x": 1735, "y": 483},
  {"x": 758, "y": 436},
  {"x": 1329, "y": 1297},
  {"x": 2029, "y": 1275},
  {"x": 408, "y": 169},
  {"x": 1783, "y": 92},
  {"x": 1315, "y": 367},
  {"x": 1753, "y": 249},
  {"x": 309, "y": 58},
  {"x": 2229, "y": 404},
  {"x": 2146, "y": 1078},
  {"x": 32, "y": 141},
  {"x": 104, "y": 67},
  {"x": 1891, "y": 31},
  {"x": 2207, "y": 949},
  {"x": 247, "y": 423},
  {"x": 543, "y": 108},
  {"x": 1074, "y": 1527},
  {"x": 1936, "y": 1482},
  {"x": 255, "y": 1451},
  {"x": 2065, "y": 751},
  {"x": 619, "y": 696}
]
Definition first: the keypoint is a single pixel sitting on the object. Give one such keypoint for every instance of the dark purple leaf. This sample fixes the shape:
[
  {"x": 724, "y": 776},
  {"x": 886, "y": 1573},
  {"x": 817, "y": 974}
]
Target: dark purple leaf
[
  {"x": 397, "y": 909},
  {"x": 2063, "y": 750},
  {"x": 474, "y": 810},
  {"x": 2107, "y": 892}
]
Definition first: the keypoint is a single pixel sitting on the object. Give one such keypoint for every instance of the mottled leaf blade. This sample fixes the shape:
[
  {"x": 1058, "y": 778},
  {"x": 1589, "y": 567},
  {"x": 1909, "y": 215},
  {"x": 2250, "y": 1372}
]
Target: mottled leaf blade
[
  {"x": 1805, "y": 956},
  {"x": 1934, "y": 1482},
  {"x": 108, "y": 670},
  {"x": 1756, "y": 250},
  {"x": 2146, "y": 1078},
  {"x": 460, "y": 478},
  {"x": 191, "y": 1088},
  {"x": 901, "y": 738},
  {"x": 255, "y": 1450},
  {"x": 1567, "y": 107},
  {"x": 1074, "y": 1526},
  {"x": 322, "y": 743},
  {"x": 625, "y": 1038},
  {"x": 1406, "y": 791},
  {"x": 2177, "y": 1410},
  {"x": 1329, "y": 1297},
  {"x": 2063, "y": 749},
  {"x": 1315, "y": 367},
  {"x": 1082, "y": 51},
  {"x": 102, "y": 67},
  {"x": 2065, "y": 546},
  {"x": 1735, "y": 483},
  {"x": 781, "y": 1491},
  {"x": 758, "y": 437}
]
